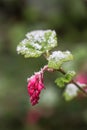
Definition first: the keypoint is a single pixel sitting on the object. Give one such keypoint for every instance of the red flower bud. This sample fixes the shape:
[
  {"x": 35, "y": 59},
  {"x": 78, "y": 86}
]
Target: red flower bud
[{"x": 35, "y": 85}]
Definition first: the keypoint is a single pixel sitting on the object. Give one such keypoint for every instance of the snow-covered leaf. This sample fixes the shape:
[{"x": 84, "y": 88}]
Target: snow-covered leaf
[
  {"x": 37, "y": 43},
  {"x": 57, "y": 58},
  {"x": 70, "y": 92}
]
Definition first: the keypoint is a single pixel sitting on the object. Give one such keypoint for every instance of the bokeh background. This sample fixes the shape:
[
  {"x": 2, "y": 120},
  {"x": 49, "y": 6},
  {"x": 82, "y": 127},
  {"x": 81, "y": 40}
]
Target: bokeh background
[{"x": 17, "y": 17}]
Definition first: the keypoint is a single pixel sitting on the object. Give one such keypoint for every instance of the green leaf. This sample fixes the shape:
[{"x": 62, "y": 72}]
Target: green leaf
[
  {"x": 65, "y": 79},
  {"x": 37, "y": 42},
  {"x": 69, "y": 75},
  {"x": 57, "y": 58},
  {"x": 60, "y": 82}
]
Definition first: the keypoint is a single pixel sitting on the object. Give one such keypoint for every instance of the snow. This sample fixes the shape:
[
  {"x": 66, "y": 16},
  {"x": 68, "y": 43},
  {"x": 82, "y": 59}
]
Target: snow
[
  {"x": 24, "y": 41},
  {"x": 71, "y": 90},
  {"x": 37, "y": 40},
  {"x": 36, "y": 46},
  {"x": 59, "y": 55},
  {"x": 21, "y": 49},
  {"x": 39, "y": 36}
]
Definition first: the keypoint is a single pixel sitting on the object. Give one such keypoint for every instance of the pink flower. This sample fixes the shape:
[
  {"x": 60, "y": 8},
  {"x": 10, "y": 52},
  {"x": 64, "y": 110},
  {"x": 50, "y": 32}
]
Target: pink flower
[
  {"x": 82, "y": 78},
  {"x": 35, "y": 85}
]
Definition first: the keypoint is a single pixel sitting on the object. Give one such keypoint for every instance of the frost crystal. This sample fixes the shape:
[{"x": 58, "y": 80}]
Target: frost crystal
[{"x": 37, "y": 43}]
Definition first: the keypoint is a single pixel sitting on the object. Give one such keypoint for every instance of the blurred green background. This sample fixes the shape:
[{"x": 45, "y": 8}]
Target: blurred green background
[{"x": 69, "y": 19}]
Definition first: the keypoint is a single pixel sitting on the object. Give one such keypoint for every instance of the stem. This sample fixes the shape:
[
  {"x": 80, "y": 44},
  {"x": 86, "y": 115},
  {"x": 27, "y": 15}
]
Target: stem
[
  {"x": 46, "y": 54},
  {"x": 79, "y": 87},
  {"x": 46, "y": 68},
  {"x": 72, "y": 81}
]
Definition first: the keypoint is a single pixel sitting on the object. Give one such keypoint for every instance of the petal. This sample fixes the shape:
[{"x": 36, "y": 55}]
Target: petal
[
  {"x": 40, "y": 87},
  {"x": 31, "y": 92},
  {"x": 34, "y": 102},
  {"x": 37, "y": 92}
]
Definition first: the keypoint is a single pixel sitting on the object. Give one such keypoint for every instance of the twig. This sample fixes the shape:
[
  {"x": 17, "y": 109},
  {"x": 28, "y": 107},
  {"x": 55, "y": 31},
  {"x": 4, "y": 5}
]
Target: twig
[
  {"x": 85, "y": 93},
  {"x": 72, "y": 81},
  {"x": 46, "y": 68}
]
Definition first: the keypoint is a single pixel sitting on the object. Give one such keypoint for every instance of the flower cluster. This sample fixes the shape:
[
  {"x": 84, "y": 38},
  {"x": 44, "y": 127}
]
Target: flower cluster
[{"x": 35, "y": 85}]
